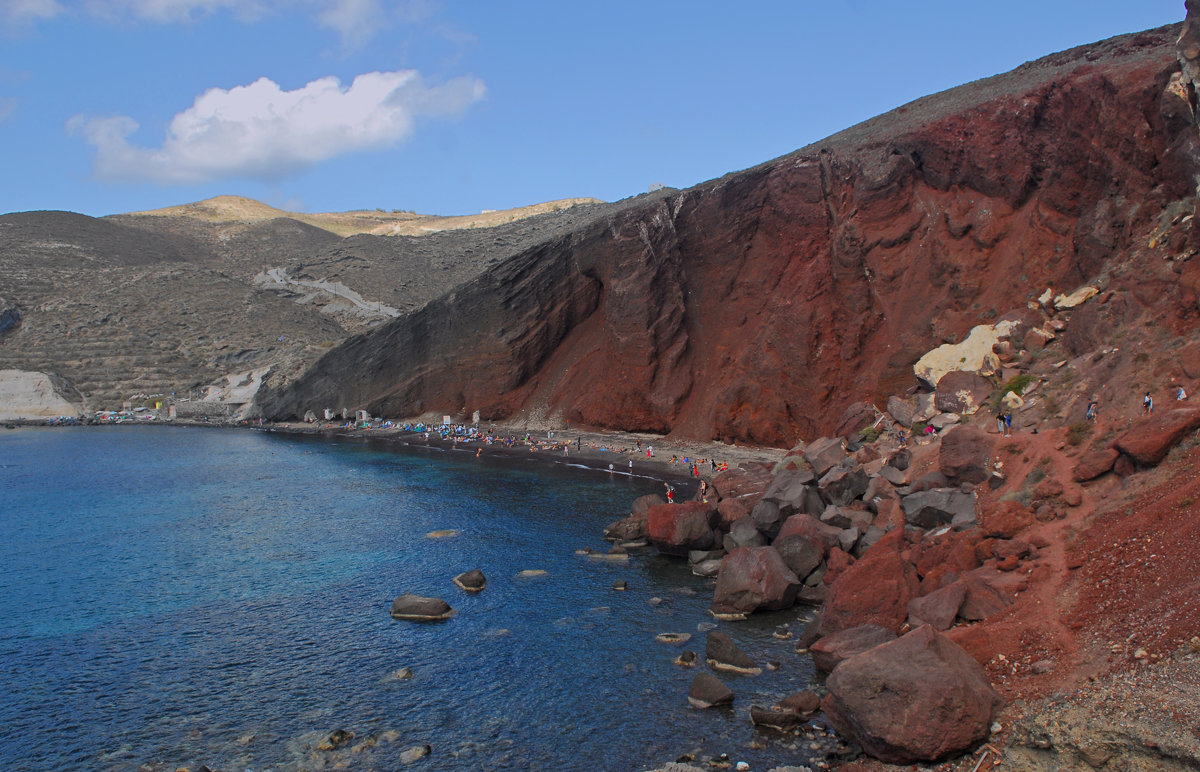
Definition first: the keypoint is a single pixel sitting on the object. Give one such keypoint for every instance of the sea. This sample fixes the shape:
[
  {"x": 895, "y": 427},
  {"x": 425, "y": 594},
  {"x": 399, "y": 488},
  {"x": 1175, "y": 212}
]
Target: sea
[{"x": 180, "y": 596}]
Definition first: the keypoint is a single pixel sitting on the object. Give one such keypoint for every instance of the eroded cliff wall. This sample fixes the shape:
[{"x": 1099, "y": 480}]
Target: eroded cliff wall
[{"x": 756, "y": 307}]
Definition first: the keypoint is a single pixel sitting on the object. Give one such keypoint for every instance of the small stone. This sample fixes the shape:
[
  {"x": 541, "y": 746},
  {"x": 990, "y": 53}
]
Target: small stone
[
  {"x": 673, "y": 638},
  {"x": 415, "y": 753},
  {"x": 471, "y": 581},
  {"x": 621, "y": 585},
  {"x": 687, "y": 658},
  {"x": 336, "y": 739}
]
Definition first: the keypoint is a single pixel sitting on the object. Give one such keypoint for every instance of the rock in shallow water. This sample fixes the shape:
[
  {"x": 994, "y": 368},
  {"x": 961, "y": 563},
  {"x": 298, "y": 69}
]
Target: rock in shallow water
[
  {"x": 707, "y": 691},
  {"x": 418, "y": 608},
  {"x": 471, "y": 581}
]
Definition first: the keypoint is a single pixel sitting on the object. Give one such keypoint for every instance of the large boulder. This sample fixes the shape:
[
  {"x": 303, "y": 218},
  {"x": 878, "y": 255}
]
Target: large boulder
[
  {"x": 753, "y": 578},
  {"x": 417, "y": 608},
  {"x": 801, "y": 554},
  {"x": 745, "y": 484},
  {"x": 674, "y": 529},
  {"x": 973, "y": 354},
  {"x": 1095, "y": 463},
  {"x": 1149, "y": 439},
  {"x": 918, "y": 698},
  {"x": 825, "y": 453},
  {"x": 807, "y": 525},
  {"x": 840, "y": 485},
  {"x": 960, "y": 391},
  {"x": 983, "y": 597},
  {"x": 744, "y": 533},
  {"x": 767, "y": 517},
  {"x": 965, "y": 455},
  {"x": 874, "y": 590},
  {"x": 792, "y": 490},
  {"x": 857, "y": 417},
  {"x": 630, "y": 528},
  {"x": 902, "y": 410},
  {"x": 830, "y": 651},
  {"x": 642, "y": 504},
  {"x": 938, "y": 507},
  {"x": 938, "y": 609}
]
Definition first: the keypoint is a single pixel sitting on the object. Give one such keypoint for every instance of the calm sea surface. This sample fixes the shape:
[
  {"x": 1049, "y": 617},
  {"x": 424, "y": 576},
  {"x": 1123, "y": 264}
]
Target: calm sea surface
[{"x": 176, "y": 597}]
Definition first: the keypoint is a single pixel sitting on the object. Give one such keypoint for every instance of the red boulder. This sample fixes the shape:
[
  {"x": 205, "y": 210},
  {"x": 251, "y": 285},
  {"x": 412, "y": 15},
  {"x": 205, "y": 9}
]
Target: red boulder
[
  {"x": 753, "y": 578},
  {"x": 746, "y": 484},
  {"x": 1097, "y": 462},
  {"x": 961, "y": 391},
  {"x": 874, "y": 590},
  {"x": 830, "y": 651},
  {"x": 1149, "y": 439},
  {"x": 918, "y": 698},
  {"x": 675, "y": 529},
  {"x": 965, "y": 455}
]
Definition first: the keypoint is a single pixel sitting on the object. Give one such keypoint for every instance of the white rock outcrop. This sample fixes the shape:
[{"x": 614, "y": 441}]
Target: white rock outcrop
[
  {"x": 28, "y": 395},
  {"x": 973, "y": 355},
  {"x": 1063, "y": 302}
]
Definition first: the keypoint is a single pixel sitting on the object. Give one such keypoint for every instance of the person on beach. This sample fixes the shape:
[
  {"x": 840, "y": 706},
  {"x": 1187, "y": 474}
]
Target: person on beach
[
  {"x": 631, "y": 466},
  {"x": 670, "y": 493},
  {"x": 610, "y": 470},
  {"x": 703, "y": 493}
]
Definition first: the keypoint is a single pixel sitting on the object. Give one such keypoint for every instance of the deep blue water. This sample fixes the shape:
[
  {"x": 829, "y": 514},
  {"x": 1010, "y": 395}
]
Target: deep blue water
[{"x": 176, "y": 596}]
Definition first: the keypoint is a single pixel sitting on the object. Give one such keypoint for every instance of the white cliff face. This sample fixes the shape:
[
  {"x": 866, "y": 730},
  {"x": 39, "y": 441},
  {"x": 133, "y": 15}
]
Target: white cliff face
[
  {"x": 29, "y": 395},
  {"x": 972, "y": 355}
]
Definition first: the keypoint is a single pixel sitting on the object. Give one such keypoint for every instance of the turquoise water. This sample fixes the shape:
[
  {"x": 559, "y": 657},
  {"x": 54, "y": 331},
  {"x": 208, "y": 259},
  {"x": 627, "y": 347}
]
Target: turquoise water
[{"x": 182, "y": 596}]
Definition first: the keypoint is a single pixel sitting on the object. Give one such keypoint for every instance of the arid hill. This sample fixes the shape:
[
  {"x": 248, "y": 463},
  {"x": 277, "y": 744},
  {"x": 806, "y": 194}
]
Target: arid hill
[
  {"x": 236, "y": 209},
  {"x": 172, "y": 302}
]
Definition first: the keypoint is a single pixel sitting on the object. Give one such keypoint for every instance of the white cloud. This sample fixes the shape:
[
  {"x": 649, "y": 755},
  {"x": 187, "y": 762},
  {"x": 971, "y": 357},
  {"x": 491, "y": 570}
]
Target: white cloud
[
  {"x": 262, "y": 132},
  {"x": 21, "y": 12},
  {"x": 355, "y": 20},
  {"x": 171, "y": 11}
]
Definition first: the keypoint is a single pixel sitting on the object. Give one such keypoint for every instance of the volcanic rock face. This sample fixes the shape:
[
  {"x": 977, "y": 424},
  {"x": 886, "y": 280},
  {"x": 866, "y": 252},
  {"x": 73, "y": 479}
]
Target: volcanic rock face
[{"x": 758, "y": 306}]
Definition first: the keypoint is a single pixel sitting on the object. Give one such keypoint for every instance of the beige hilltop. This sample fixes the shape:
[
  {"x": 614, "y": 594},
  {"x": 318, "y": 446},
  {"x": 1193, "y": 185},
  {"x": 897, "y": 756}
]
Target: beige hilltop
[{"x": 236, "y": 209}]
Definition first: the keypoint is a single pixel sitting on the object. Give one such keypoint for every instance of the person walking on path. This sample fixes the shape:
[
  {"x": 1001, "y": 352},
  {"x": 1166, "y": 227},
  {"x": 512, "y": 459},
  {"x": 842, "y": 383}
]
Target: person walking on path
[
  {"x": 1091, "y": 411},
  {"x": 1181, "y": 394},
  {"x": 1000, "y": 421},
  {"x": 1147, "y": 404},
  {"x": 1008, "y": 424}
]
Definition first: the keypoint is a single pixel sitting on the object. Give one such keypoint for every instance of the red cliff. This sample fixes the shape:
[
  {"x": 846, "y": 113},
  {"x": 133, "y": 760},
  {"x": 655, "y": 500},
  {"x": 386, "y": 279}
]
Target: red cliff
[{"x": 758, "y": 306}]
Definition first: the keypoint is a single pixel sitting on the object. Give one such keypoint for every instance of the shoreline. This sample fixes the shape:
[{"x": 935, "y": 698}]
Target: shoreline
[{"x": 598, "y": 449}]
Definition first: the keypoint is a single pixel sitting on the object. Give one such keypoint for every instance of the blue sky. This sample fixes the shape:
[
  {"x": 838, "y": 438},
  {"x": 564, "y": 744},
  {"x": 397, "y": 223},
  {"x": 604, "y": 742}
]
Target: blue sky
[{"x": 448, "y": 107}]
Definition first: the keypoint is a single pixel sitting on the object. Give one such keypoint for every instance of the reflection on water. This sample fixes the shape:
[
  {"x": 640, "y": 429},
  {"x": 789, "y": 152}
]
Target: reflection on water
[{"x": 182, "y": 596}]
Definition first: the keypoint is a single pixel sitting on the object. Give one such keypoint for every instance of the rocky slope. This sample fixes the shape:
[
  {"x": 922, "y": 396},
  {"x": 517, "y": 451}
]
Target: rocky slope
[
  {"x": 756, "y": 307},
  {"x": 161, "y": 304}
]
